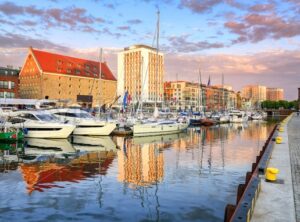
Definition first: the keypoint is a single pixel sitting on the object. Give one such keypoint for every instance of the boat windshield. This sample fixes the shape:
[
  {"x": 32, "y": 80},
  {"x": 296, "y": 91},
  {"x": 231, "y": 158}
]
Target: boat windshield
[
  {"x": 46, "y": 117},
  {"x": 83, "y": 115}
]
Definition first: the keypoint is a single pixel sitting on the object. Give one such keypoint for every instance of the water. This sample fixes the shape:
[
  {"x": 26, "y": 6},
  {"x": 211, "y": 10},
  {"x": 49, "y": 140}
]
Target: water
[{"x": 180, "y": 177}]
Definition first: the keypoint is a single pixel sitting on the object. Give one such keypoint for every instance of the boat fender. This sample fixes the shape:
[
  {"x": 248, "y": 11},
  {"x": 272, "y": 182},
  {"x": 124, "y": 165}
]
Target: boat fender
[{"x": 25, "y": 131}]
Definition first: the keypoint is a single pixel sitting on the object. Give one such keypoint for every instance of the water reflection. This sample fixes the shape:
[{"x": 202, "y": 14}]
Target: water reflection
[{"x": 176, "y": 177}]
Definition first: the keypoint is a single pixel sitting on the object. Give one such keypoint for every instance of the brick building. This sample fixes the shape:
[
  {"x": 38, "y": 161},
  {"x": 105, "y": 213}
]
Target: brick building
[
  {"x": 9, "y": 82},
  {"x": 48, "y": 75}
]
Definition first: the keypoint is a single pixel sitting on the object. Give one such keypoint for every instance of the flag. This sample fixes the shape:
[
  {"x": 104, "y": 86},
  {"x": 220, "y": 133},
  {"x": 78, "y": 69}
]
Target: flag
[
  {"x": 125, "y": 100},
  {"x": 208, "y": 83}
]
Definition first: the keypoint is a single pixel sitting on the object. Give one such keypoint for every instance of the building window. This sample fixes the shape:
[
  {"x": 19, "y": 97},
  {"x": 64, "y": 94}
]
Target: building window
[
  {"x": 87, "y": 67},
  {"x": 59, "y": 62},
  {"x": 7, "y": 95},
  {"x": 3, "y": 84},
  {"x": 69, "y": 64},
  {"x": 77, "y": 71},
  {"x": 69, "y": 71}
]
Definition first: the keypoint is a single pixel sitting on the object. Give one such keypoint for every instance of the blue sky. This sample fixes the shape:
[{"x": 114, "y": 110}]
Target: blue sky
[{"x": 251, "y": 42}]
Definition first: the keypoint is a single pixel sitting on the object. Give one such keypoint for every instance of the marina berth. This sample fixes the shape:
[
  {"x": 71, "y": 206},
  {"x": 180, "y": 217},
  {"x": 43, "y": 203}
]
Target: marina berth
[
  {"x": 85, "y": 123},
  {"x": 39, "y": 124}
]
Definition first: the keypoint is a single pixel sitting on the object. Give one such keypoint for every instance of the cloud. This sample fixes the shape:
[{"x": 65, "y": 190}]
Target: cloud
[
  {"x": 110, "y": 6},
  {"x": 199, "y": 6},
  {"x": 69, "y": 18},
  {"x": 123, "y": 28},
  {"x": 262, "y": 7},
  {"x": 256, "y": 27},
  {"x": 20, "y": 41},
  {"x": 181, "y": 44},
  {"x": 134, "y": 21}
]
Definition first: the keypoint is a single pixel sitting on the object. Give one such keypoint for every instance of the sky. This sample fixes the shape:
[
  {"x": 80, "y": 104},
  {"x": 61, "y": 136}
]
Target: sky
[{"x": 250, "y": 42}]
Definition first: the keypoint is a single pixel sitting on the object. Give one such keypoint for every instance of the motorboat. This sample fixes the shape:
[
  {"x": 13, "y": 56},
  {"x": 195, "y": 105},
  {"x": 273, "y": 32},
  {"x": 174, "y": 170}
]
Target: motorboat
[
  {"x": 196, "y": 119},
  {"x": 85, "y": 123},
  {"x": 39, "y": 124},
  {"x": 256, "y": 116},
  {"x": 237, "y": 116},
  {"x": 224, "y": 118}
]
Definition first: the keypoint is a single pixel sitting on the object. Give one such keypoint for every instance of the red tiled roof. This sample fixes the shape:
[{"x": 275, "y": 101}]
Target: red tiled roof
[{"x": 55, "y": 63}]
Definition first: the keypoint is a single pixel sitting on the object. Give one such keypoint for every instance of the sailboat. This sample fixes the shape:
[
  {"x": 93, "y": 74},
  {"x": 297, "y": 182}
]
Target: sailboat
[
  {"x": 155, "y": 126},
  {"x": 199, "y": 118}
]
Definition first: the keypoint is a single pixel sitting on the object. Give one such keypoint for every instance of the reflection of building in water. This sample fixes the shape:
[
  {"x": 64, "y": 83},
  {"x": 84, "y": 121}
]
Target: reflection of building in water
[
  {"x": 140, "y": 164},
  {"x": 258, "y": 131},
  {"x": 40, "y": 176}
]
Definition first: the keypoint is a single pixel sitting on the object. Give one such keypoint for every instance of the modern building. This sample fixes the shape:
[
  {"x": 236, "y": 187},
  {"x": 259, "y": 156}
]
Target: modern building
[
  {"x": 274, "y": 94},
  {"x": 141, "y": 73},
  {"x": 47, "y": 75},
  {"x": 9, "y": 82},
  {"x": 186, "y": 95},
  {"x": 255, "y": 93}
]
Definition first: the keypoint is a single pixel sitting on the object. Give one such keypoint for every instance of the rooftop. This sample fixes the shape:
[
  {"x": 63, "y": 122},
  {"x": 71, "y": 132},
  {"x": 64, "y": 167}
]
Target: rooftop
[
  {"x": 67, "y": 65},
  {"x": 139, "y": 46}
]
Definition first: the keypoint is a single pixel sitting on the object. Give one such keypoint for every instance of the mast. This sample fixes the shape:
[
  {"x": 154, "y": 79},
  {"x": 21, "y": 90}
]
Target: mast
[
  {"x": 200, "y": 91},
  {"x": 223, "y": 99},
  {"x": 157, "y": 60},
  {"x": 100, "y": 73}
]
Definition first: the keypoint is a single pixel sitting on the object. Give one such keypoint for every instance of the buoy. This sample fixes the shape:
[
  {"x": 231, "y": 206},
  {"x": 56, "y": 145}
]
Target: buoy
[
  {"x": 278, "y": 140},
  {"x": 271, "y": 174},
  {"x": 281, "y": 129}
]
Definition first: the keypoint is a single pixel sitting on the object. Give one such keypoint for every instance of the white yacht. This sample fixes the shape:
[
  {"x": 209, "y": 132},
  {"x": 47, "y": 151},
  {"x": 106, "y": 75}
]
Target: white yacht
[
  {"x": 148, "y": 128},
  {"x": 39, "y": 124},
  {"x": 237, "y": 116},
  {"x": 256, "y": 116},
  {"x": 85, "y": 123},
  {"x": 224, "y": 118}
]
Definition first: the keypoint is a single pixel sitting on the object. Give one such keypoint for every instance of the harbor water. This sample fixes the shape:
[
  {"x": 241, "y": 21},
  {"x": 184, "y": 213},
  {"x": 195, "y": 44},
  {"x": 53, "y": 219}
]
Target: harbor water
[{"x": 189, "y": 176}]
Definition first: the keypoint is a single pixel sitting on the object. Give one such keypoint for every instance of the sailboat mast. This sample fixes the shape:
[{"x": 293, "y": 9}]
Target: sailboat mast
[
  {"x": 223, "y": 99},
  {"x": 200, "y": 91},
  {"x": 157, "y": 59},
  {"x": 100, "y": 73}
]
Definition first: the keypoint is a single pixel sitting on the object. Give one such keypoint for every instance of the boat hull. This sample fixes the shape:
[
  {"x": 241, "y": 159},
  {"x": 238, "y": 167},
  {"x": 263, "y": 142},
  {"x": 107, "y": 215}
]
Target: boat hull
[
  {"x": 61, "y": 133},
  {"x": 150, "y": 129},
  {"x": 104, "y": 129}
]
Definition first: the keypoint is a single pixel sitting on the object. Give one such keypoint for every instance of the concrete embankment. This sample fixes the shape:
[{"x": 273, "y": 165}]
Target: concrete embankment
[{"x": 277, "y": 199}]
